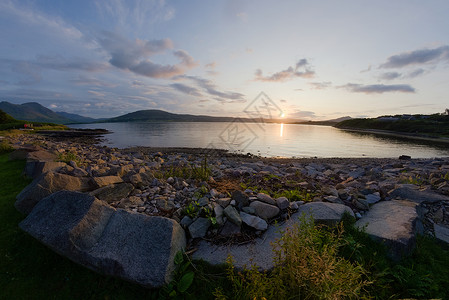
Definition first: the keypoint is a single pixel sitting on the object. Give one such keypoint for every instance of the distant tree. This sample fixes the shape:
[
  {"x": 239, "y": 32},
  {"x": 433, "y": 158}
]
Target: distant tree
[
  {"x": 5, "y": 118},
  {"x": 446, "y": 112}
]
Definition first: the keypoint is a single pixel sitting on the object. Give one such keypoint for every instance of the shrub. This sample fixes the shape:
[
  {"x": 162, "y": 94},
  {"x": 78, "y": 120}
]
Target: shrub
[{"x": 306, "y": 266}]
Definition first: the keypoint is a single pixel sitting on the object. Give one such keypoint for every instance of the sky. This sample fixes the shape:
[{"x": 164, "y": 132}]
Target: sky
[{"x": 312, "y": 60}]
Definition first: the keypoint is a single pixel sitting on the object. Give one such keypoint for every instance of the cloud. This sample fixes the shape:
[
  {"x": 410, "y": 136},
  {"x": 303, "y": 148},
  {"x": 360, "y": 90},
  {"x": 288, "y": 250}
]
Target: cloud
[
  {"x": 209, "y": 87},
  {"x": 289, "y": 73},
  {"x": 133, "y": 56},
  {"x": 96, "y": 94},
  {"x": 186, "y": 89},
  {"x": 390, "y": 75},
  {"x": 60, "y": 63},
  {"x": 416, "y": 73},
  {"x": 301, "y": 114},
  {"x": 417, "y": 57},
  {"x": 91, "y": 81},
  {"x": 378, "y": 88},
  {"x": 321, "y": 85},
  {"x": 283, "y": 101}
]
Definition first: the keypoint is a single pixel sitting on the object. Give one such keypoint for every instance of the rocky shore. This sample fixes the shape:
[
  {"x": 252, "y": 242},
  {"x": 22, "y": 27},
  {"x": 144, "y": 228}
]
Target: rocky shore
[{"x": 228, "y": 203}]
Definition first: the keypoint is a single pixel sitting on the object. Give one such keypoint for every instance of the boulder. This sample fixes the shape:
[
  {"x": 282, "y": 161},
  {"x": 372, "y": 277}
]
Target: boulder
[
  {"x": 441, "y": 232},
  {"x": 113, "y": 192},
  {"x": 45, "y": 185},
  {"x": 240, "y": 198},
  {"x": 282, "y": 203},
  {"x": 413, "y": 193},
  {"x": 199, "y": 227},
  {"x": 264, "y": 210},
  {"x": 233, "y": 215},
  {"x": 324, "y": 213},
  {"x": 34, "y": 169},
  {"x": 131, "y": 246},
  {"x": 394, "y": 223}
]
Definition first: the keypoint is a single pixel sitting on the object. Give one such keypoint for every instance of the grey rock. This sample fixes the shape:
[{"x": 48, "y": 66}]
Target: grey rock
[
  {"x": 240, "y": 198},
  {"x": 412, "y": 192},
  {"x": 219, "y": 212},
  {"x": 223, "y": 201},
  {"x": 264, "y": 210},
  {"x": 131, "y": 201},
  {"x": 214, "y": 193},
  {"x": 282, "y": 203},
  {"x": 203, "y": 201},
  {"x": 253, "y": 221},
  {"x": 372, "y": 198},
  {"x": 441, "y": 233},
  {"x": 249, "y": 210},
  {"x": 45, "y": 185},
  {"x": 106, "y": 180},
  {"x": 361, "y": 204},
  {"x": 186, "y": 221},
  {"x": 333, "y": 199},
  {"x": 131, "y": 246},
  {"x": 199, "y": 227},
  {"x": 230, "y": 229},
  {"x": 324, "y": 213},
  {"x": 34, "y": 169},
  {"x": 233, "y": 215},
  {"x": 113, "y": 192},
  {"x": 266, "y": 198},
  {"x": 394, "y": 223}
]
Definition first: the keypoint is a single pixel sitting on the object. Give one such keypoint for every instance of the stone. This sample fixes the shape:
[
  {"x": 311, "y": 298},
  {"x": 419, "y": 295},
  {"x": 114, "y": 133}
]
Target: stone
[
  {"x": 223, "y": 201},
  {"x": 249, "y": 210},
  {"x": 240, "y": 198},
  {"x": 361, "y": 203},
  {"x": 219, "y": 212},
  {"x": 264, "y": 210},
  {"x": 199, "y": 227},
  {"x": 186, "y": 221},
  {"x": 282, "y": 203},
  {"x": 405, "y": 157},
  {"x": 441, "y": 233},
  {"x": 214, "y": 193},
  {"x": 41, "y": 155},
  {"x": 412, "y": 193},
  {"x": 113, "y": 192},
  {"x": 372, "y": 198},
  {"x": 141, "y": 180},
  {"x": 266, "y": 198},
  {"x": 230, "y": 229},
  {"x": 232, "y": 214},
  {"x": 131, "y": 246},
  {"x": 253, "y": 221},
  {"x": 333, "y": 199},
  {"x": 324, "y": 213},
  {"x": 330, "y": 190},
  {"x": 131, "y": 201},
  {"x": 394, "y": 223},
  {"x": 106, "y": 180},
  {"x": 45, "y": 185}
]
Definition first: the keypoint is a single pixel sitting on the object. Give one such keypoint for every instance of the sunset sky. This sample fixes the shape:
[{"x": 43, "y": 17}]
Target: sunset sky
[{"x": 315, "y": 59}]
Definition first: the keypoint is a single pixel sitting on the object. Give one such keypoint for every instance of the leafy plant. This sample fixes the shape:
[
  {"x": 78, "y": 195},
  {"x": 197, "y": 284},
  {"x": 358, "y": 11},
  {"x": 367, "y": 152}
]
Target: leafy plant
[
  {"x": 68, "y": 156},
  {"x": 182, "y": 279}
]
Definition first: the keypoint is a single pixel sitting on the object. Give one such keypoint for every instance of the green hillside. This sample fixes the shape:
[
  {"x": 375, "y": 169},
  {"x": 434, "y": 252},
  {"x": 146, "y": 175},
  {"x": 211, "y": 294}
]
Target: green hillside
[{"x": 32, "y": 112}]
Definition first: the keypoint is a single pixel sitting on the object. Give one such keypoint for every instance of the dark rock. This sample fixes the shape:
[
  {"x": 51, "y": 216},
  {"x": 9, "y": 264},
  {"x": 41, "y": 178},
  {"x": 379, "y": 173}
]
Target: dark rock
[
  {"x": 323, "y": 212},
  {"x": 199, "y": 227},
  {"x": 132, "y": 246},
  {"x": 264, "y": 210},
  {"x": 412, "y": 193},
  {"x": 266, "y": 199},
  {"x": 230, "y": 229},
  {"x": 441, "y": 233},
  {"x": 233, "y": 215},
  {"x": 240, "y": 198},
  {"x": 106, "y": 180},
  {"x": 394, "y": 223},
  {"x": 253, "y": 221},
  {"x": 405, "y": 157}
]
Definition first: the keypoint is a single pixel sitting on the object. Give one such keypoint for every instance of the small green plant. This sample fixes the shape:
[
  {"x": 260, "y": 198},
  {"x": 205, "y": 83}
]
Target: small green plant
[
  {"x": 5, "y": 147},
  {"x": 192, "y": 209},
  {"x": 182, "y": 279},
  {"x": 306, "y": 266},
  {"x": 68, "y": 156}
]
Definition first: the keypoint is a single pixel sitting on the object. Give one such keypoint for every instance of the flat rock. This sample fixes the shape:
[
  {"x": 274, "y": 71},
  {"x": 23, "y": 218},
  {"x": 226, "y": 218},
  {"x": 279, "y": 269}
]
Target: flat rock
[
  {"x": 325, "y": 213},
  {"x": 412, "y": 193},
  {"x": 394, "y": 223},
  {"x": 264, "y": 210},
  {"x": 254, "y": 221},
  {"x": 131, "y": 246},
  {"x": 259, "y": 252},
  {"x": 45, "y": 185},
  {"x": 106, "y": 180}
]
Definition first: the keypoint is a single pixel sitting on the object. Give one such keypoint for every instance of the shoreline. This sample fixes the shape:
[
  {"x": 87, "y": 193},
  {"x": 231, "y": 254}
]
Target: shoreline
[{"x": 405, "y": 135}]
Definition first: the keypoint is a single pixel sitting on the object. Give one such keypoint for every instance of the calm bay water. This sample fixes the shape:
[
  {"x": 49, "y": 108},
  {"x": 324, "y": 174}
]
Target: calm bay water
[{"x": 286, "y": 140}]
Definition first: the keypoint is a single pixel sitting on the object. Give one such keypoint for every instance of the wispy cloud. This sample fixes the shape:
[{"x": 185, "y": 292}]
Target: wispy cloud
[
  {"x": 91, "y": 81},
  {"x": 321, "y": 85},
  {"x": 186, "y": 89},
  {"x": 210, "y": 88},
  {"x": 417, "y": 57},
  {"x": 302, "y": 69},
  {"x": 390, "y": 75},
  {"x": 378, "y": 88},
  {"x": 133, "y": 56}
]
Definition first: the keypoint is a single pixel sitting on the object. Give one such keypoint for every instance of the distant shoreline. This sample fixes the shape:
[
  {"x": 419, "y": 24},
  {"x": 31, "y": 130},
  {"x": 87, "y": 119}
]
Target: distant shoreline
[{"x": 412, "y": 136}]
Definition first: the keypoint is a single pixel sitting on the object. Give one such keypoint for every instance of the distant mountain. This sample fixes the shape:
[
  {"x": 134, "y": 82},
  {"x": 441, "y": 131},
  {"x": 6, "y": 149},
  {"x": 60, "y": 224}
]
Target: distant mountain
[
  {"x": 154, "y": 115},
  {"x": 76, "y": 118},
  {"x": 330, "y": 122},
  {"x": 32, "y": 112}
]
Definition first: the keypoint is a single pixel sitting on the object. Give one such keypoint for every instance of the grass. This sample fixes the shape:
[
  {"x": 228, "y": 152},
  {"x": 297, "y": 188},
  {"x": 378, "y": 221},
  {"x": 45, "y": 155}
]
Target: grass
[{"x": 29, "y": 270}]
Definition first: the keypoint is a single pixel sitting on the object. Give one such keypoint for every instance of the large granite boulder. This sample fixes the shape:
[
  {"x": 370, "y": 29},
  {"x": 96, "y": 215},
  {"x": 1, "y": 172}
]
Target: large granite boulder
[
  {"x": 113, "y": 192},
  {"x": 131, "y": 246},
  {"x": 394, "y": 223},
  {"x": 45, "y": 185},
  {"x": 260, "y": 252}
]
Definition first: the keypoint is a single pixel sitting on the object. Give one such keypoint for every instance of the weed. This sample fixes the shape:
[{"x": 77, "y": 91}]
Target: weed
[
  {"x": 182, "y": 279},
  {"x": 5, "y": 147},
  {"x": 68, "y": 157},
  {"x": 306, "y": 266}
]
